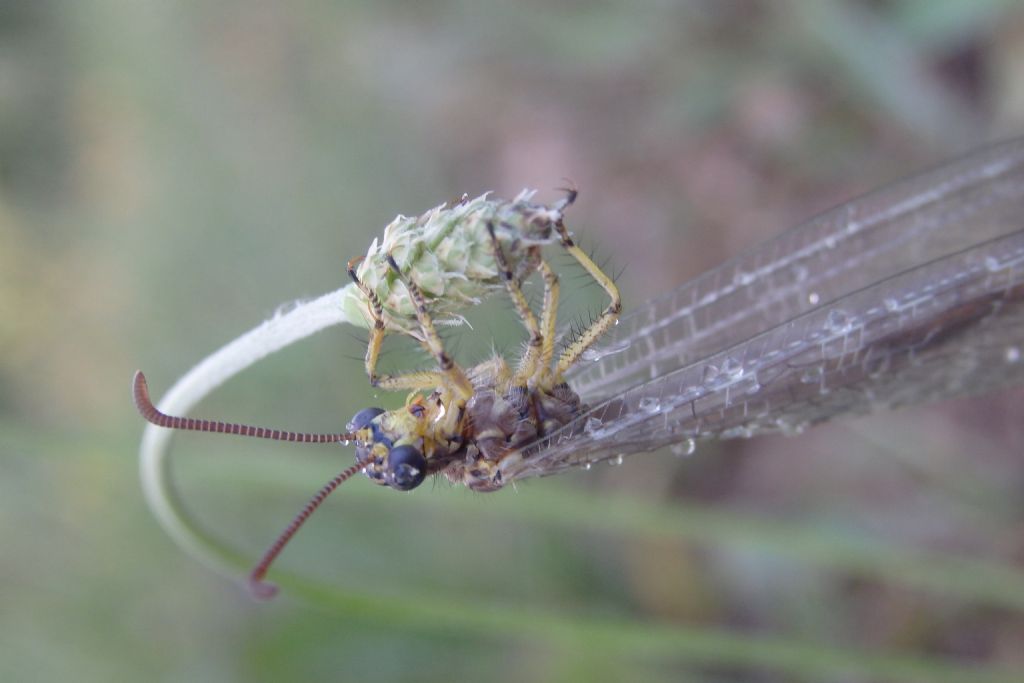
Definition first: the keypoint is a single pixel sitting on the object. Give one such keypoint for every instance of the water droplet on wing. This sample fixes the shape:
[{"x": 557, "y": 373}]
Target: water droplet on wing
[
  {"x": 684, "y": 448},
  {"x": 732, "y": 368},
  {"x": 837, "y": 321},
  {"x": 649, "y": 404}
]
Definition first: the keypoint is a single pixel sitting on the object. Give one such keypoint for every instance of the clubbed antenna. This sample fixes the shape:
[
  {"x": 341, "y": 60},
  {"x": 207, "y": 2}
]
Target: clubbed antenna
[
  {"x": 257, "y": 585},
  {"x": 140, "y": 391}
]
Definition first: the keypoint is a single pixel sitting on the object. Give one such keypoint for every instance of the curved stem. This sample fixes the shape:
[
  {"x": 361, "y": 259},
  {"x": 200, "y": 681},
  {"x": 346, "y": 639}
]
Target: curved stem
[{"x": 283, "y": 329}]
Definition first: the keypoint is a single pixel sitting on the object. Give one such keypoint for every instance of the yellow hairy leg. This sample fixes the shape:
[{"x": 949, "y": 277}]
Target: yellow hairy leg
[
  {"x": 451, "y": 378},
  {"x": 604, "y": 321}
]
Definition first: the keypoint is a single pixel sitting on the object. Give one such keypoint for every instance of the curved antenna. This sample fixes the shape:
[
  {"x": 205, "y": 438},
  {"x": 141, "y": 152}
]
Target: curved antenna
[
  {"x": 140, "y": 391},
  {"x": 260, "y": 588}
]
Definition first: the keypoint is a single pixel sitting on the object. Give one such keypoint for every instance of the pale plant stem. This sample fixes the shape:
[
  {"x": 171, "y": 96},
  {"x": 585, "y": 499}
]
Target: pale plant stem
[{"x": 283, "y": 329}]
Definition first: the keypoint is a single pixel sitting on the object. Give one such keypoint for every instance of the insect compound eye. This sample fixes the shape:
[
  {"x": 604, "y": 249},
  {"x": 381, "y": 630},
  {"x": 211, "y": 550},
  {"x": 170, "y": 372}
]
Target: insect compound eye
[
  {"x": 407, "y": 468},
  {"x": 363, "y": 418}
]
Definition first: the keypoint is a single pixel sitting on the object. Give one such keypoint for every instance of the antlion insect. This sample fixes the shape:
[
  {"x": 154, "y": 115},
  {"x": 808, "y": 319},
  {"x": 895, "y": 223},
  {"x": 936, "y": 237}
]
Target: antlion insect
[{"x": 468, "y": 425}]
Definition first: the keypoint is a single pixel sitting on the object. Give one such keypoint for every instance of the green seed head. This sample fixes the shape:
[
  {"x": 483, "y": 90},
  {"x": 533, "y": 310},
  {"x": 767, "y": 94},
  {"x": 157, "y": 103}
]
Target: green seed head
[{"x": 449, "y": 254}]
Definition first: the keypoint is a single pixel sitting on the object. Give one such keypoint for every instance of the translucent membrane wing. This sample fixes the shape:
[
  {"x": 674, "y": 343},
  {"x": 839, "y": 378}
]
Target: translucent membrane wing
[{"x": 908, "y": 294}]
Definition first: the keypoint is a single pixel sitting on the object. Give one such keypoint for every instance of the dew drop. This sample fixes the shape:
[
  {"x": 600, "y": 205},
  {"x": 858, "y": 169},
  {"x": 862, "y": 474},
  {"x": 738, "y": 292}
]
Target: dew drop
[
  {"x": 708, "y": 298},
  {"x": 992, "y": 264},
  {"x": 837, "y": 321},
  {"x": 649, "y": 404},
  {"x": 813, "y": 298},
  {"x": 891, "y": 304},
  {"x": 617, "y": 460},
  {"x": 1012, "y": 354},
  {"x": 592, "y": 425},
  {"x": 732, "y": 368},
  {"x": 587, "y": 465},
  {"x": 710, "y": 374},
  {"x": 754, "y": 388},
  {"x": 791, "y": 428},
  {"x": 812, "y": 375},
  {"x": 742, "y": 278},
  {"x": 738, "y": 432},
  {"x": 684, "y": 448}
]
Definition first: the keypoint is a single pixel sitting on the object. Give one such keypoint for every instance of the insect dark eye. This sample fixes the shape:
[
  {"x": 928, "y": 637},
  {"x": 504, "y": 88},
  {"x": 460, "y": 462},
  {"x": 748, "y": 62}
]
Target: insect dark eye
[
  {"x": 363, "y": 418},
  {"x": 407, "y": 468}
]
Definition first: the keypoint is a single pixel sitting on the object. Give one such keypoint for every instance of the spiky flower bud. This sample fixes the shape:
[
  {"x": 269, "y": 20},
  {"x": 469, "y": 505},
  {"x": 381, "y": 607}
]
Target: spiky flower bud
[{"x": 448, "y": 253}]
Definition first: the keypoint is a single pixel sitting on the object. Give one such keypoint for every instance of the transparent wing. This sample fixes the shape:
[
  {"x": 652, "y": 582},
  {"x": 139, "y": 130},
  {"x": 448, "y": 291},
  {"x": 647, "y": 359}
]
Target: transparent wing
[{"x": 906, "y": 295}]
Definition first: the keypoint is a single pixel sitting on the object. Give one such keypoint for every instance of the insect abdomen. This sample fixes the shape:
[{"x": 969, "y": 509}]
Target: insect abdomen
[{"x": 501, "y": 425}]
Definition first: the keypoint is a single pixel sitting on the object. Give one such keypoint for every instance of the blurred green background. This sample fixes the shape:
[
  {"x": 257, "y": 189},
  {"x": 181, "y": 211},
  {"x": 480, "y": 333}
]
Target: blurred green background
[{"x": 170, "y": 173}]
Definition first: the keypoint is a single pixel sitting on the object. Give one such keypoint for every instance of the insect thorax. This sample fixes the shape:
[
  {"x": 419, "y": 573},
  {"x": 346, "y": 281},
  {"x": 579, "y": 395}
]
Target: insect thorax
[{"x": 497, "y": 422}]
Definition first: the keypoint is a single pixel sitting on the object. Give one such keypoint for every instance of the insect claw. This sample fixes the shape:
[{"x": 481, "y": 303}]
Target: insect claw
[
  {"x": 571, "y": 192},
  {"x": 351, "y": 266}
]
